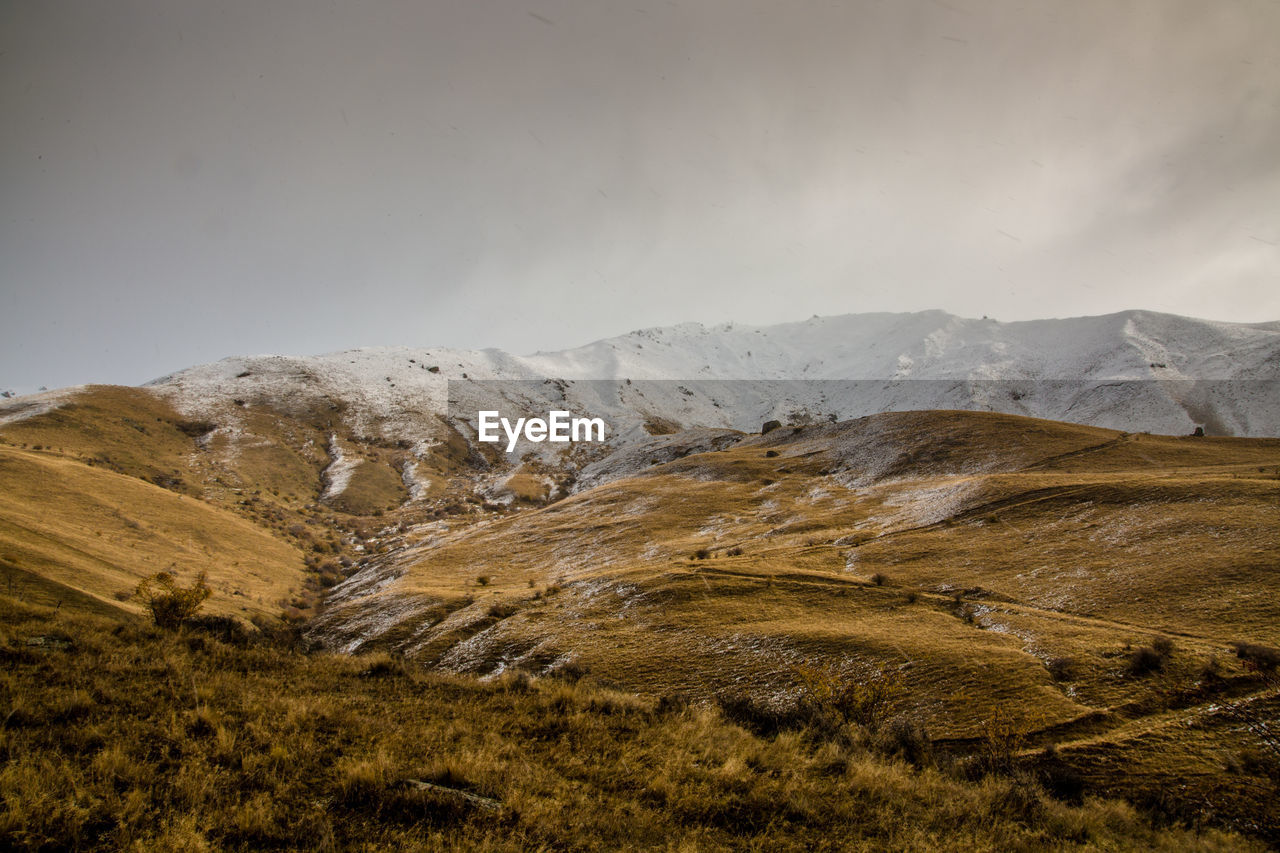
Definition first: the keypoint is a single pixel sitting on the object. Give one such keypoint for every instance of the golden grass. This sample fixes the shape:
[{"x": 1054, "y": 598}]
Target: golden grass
[
  {"x": 1004, "y": 570},
  {"x": 1005, "y": 567},
  {"x": 98, "y": 533},
  {"x": 375, "y": 487},
  {"x": 117, "y": 736}
]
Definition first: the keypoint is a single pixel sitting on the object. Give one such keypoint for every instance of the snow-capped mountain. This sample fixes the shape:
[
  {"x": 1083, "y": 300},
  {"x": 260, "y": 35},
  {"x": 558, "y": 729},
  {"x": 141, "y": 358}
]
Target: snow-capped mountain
[{"x": 1136, "y": 370}]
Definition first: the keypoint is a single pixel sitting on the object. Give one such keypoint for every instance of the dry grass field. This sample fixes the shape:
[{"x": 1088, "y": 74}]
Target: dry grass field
[
  {"x": 119, "y": 736},
  {"x": 917, "y": 630}
]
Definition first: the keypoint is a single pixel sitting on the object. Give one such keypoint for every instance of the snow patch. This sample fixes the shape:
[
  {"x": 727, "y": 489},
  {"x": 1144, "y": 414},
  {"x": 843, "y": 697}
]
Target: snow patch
[{"x": 337, "y": 476}]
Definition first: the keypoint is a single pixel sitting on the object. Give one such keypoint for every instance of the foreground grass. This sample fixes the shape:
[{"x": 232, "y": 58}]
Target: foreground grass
[{"x": 118, "y": 736}]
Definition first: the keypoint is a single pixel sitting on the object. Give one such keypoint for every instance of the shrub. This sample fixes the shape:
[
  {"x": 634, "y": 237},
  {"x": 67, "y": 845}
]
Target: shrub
[
  {"x": 169, "y": 604},
  {"x": 483, "y": 580},
  {"x": 503, "y": 609},
  {"x": 383, "y": 665},
  {"x": 905, "y": 738},
  {"x": 1061, "y": 669},
  {"x": 1145, "y": 660},
  {"x": 1003, "y": 736},
  {"x": 195, "y": 429},
  {"x": 764, "y": 716},
  {"x": 1256, "y": 657},
  {"x": 879, "y": 579},
  {"x": 864, "y": 701}
]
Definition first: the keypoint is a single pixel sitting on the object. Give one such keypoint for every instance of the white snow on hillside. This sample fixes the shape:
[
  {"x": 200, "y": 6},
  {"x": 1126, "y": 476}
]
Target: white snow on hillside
[
  {"x": 337, "y": 475},
  {"x": 399, "y": 391},
  {"x": 14, "y": 409},
  {"x": 1115, "y": 371}
]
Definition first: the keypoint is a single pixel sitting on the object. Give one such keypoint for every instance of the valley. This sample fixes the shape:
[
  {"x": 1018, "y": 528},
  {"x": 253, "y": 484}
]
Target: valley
[{"x": 966, "y": 590}]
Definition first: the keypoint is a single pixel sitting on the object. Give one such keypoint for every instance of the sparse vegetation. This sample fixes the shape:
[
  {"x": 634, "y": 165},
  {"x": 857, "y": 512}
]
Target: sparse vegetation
[
  {"x": 169, "y": 603},
  {"x": 1145, "y": 660},
  {"x": 133, "y": 738},
  {"x": 1061, "y": 668},
  {"x": 1258, "y": 657},
  {"x": 1062, "y": 573}
]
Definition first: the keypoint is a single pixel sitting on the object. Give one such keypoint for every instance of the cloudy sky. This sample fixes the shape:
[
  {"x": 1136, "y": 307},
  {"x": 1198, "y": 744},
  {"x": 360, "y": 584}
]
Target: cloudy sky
[{"x": 186, "y": 180}]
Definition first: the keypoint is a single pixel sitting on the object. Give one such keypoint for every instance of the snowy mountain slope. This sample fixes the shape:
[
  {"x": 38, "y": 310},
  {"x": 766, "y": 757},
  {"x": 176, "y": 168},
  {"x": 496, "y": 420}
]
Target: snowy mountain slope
[
  {"x": 1180, "y": 372},
  {"x": 1135, "y": 371}
]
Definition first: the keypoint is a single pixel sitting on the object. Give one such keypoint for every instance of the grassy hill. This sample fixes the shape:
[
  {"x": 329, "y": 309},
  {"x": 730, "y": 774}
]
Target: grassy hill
[
  {"x": 1058, "y": 585},
  {"x": 68, "y": 530},
  {"x": 983, "y": 597},
  {"x": 118, "y": 736},
  {"x": 113, "y": 484}
]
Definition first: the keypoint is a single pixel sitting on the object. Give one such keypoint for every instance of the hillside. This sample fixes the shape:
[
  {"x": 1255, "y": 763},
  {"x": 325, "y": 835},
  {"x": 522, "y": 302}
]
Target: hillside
[
  {"x": 123, "y": 737},
  {"x": 915, "y": 550},
  {"x": 987, "y": 564}
]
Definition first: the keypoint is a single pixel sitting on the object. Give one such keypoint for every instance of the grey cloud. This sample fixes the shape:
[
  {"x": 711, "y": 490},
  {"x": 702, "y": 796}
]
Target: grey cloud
[{"x": 188, "y": 180}]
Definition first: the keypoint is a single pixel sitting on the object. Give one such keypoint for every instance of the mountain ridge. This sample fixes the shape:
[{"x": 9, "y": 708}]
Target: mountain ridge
[{"x": 399, "y": 391}]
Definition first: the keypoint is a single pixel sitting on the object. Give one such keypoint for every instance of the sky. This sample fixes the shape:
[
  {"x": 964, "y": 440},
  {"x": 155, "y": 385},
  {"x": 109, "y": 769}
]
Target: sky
[{"x": 184, "y": 181}]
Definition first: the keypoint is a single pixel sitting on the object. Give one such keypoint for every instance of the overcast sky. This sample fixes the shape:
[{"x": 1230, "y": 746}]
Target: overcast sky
[{"x": 182, "y": 181}]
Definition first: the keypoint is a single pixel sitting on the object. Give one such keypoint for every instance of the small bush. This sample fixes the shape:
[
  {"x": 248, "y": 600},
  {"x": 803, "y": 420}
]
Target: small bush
[
  {"x": 503, "y": 609},
  {"x": 1256, "y": 657},
  {"x": 879, "y": 579},
  {"x": 383, "y": 665},
  {"x": 905, "y": 738},
  {"x": 758, "y": 714},
  {"x": 224, "y": 628},
  {"x": 864, "y": 701},
  {"x": 701, "y": 554},
  {"x": 1145, "y": 660},
  {"x": 1061, "y": 669},
  {"x": 483, "y": 580},
  {"x": 195, "y": 429},
  {"x": 169, "y": 604}
]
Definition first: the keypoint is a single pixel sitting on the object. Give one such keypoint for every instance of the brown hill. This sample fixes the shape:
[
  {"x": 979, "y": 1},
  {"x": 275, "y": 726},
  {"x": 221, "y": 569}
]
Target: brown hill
[{"x": 1010, "y": 583}]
